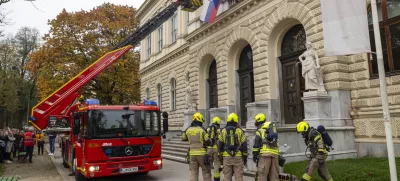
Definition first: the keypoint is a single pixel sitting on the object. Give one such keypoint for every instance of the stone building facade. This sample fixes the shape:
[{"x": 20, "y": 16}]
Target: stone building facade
[{"x": 245, "y": 62}]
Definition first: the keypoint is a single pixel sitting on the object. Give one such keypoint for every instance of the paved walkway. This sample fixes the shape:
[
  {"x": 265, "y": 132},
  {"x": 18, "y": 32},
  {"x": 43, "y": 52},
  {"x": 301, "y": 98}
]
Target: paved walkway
[
  {"x": 41, "y": 169},
  {"x": 171, "y": 171}
]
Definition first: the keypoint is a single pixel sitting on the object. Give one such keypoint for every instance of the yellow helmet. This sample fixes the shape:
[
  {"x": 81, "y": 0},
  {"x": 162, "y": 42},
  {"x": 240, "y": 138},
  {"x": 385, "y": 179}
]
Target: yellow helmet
[
  {"x": 266, "y": 125},
  {"x": 232, "y": 117},
  {"x": 81, "y": 97},
  {"x": 198, "y": 117},
  {"x": 302, "y": 127},
  {"x": 260, "y": 118},
  {"x": 216, "y": 120}
]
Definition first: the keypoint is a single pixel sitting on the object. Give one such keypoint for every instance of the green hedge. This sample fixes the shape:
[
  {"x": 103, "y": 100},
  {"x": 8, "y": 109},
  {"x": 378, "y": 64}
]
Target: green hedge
[{"x": 364, "y": 169}]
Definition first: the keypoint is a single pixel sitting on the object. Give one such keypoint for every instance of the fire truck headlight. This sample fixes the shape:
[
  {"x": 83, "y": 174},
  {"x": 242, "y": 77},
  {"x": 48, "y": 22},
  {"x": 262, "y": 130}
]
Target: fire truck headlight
[
  {"x": 157, "y": 162},
  {"x": 94, "y": 168}
]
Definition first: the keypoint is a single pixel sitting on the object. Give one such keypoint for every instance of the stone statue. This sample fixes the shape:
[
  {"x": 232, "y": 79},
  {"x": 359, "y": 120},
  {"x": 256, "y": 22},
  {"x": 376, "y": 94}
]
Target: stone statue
[
  {"x": 189, "y": 100},
  {"x": 311, "y": 70}
]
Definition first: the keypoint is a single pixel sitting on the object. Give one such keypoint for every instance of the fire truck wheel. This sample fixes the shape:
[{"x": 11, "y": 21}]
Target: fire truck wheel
[
  {"x": 80, "y": 177},
  {"x": 65, "y": 164}
]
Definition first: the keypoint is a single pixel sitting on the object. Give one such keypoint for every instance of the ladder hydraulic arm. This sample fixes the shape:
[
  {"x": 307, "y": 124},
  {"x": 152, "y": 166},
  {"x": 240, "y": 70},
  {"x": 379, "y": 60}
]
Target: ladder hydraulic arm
[{"x": 63, "y": 98}]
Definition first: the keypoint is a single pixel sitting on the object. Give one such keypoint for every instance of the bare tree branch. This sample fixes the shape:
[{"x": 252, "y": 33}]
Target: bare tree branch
[{"x": 4, "y": 1}]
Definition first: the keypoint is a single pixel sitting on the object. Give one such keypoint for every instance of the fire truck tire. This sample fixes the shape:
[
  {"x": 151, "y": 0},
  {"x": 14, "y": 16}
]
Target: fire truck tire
[
  {"x": 80, "y": 177},
  {"x": 65, "y": 164}
]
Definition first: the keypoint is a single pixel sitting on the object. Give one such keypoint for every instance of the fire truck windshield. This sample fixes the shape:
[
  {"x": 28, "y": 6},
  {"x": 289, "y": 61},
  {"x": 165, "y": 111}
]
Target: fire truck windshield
[{"x": 122, "y": 123}]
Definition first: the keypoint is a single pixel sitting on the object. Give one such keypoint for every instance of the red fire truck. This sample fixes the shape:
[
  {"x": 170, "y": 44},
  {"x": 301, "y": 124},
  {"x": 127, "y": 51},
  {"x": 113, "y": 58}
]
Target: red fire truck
[{"x": 107, "y": 140}]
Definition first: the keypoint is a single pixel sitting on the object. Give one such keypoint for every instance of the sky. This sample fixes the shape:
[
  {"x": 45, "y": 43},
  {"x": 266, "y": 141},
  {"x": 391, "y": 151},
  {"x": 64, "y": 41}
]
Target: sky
[{"x": 23, "y": 13}]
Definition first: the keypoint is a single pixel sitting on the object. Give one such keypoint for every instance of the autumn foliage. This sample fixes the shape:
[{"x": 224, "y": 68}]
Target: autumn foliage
[{"x": 76, "y": 40}]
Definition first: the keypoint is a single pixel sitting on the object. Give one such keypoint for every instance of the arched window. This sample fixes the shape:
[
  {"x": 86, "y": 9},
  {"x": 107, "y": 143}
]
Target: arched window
[
  {"x": 147, "y": 93},
  {"x": 173, "y": 94},
  {"x": 389, "y": 23},
  {"x": 159, "y": 95}
]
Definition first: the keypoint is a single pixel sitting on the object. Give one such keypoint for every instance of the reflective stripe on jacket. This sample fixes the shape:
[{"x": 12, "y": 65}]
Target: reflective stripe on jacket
[
  {"x": 242, "y": 142},
  {"x": 263, "y": 148},
  {"x": 218, "y": 131},
  {"x": 197, "y": 137},
  {"x": 29, "y": 139}
]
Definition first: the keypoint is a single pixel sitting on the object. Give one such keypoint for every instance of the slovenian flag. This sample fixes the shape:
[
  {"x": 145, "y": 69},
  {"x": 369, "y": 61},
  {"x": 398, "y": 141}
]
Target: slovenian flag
[{"x": 210, "y": 9}]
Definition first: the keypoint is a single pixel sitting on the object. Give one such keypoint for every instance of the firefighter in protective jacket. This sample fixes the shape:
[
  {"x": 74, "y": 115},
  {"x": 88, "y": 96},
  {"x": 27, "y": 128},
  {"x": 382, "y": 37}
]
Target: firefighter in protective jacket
[
  {"x": 266, "y": 151},
  {"x": 232, "y": 145},
  {"x": 213, "y": 132},
  {"x": 198, "y": 142},
  {"x": 315, "y": 143}
]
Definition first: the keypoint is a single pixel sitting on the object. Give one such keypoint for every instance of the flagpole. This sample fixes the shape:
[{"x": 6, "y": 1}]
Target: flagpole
[{"x": 382, "y": 80}]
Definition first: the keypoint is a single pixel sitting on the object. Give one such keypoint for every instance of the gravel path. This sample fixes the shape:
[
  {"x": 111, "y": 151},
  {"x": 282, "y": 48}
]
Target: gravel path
[{"x": 41, "y": 169}]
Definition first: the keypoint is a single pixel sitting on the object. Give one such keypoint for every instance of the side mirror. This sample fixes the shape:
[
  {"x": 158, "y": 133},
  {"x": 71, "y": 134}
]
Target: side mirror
[{"x": 165, "y": 121}]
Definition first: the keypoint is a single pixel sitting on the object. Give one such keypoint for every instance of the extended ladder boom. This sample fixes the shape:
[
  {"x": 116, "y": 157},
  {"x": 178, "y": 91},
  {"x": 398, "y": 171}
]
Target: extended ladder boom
[{"x": 61, "y": 99}]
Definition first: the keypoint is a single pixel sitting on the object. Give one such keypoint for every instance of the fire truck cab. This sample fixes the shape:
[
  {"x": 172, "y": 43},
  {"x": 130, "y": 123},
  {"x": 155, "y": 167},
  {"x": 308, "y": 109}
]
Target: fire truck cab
[{"x": 114, "y": 140}]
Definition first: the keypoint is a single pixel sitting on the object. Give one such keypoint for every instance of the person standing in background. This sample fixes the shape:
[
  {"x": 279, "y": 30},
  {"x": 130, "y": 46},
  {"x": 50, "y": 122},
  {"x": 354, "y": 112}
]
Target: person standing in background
[
  {"x": 9, "y": 145},
  {"x": 16, "y": 142},
  {"x": 52, "y": 139},
  {"x": 40, "y": 142},
  {"x": 21, "y": 147},
  {"x": 29, "y": 143},
  {"x": 2, "y": 146}
]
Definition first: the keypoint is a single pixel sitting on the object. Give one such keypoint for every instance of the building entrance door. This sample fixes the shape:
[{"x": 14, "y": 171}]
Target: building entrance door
[
  {"x": 246, "y": 81},
  {"x": 293, "y": 45}
]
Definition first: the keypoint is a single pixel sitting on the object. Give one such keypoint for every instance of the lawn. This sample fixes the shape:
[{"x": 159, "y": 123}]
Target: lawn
[
  {"x": 1, "y": 170},
  {"x": 364, "y": 169}
]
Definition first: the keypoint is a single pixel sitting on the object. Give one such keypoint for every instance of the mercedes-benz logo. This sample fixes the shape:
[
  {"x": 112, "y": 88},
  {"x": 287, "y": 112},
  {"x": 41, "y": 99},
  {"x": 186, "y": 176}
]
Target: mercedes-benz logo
[{"x": 128, "y": 150}]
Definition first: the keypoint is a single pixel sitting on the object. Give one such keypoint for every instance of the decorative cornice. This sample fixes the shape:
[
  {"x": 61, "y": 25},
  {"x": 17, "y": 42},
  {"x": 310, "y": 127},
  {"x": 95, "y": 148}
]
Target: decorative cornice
[
  {"x": 233, "y": 11},
  {"x": 177, "y": 53},
  {"x": 146, "y": 6}
]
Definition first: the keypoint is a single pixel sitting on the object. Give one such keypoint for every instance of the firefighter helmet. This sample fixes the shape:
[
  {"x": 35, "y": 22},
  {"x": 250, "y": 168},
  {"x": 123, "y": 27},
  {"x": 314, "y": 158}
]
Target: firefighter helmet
[
  {"x": 216, "y": 120},
  {"x": 260, "y": 118},
  {"x": 302, "y": 127},
  {"x": 198, "y": 117},
  {"x": 233, "y": 118}
]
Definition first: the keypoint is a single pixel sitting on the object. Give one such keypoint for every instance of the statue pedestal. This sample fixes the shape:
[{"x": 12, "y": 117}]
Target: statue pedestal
[
  {"x": 187, "y": 118},
  {"x": 317, "y": 108},
  {"x": 222, "y": 113}
]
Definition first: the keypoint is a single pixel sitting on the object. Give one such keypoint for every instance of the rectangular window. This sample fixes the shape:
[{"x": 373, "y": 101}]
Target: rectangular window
[
  {"x": 187, "y": 19},
  {"x": 174, "y": 32},
  {"x": 159, "y": 95},
  {"x": 149, "y": 46},
  {"x": 160, "y": 38},
  {"x": 389, "y": 22}
]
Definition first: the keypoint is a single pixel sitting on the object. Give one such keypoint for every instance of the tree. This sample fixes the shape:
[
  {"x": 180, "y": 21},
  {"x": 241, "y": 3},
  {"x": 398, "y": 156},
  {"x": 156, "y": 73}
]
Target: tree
[
  {"x": 4, "y": 1},
  {"x": 17, "y": 87},
  {"x": 78, "y": 39}
]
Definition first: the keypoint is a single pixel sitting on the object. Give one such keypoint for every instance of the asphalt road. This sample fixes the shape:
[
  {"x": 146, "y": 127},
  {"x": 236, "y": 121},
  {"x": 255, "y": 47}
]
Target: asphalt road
[{"x": 171, "y": 171}]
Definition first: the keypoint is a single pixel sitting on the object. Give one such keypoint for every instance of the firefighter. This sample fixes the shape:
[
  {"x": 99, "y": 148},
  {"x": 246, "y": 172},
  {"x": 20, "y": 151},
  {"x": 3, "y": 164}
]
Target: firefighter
[
  {"x": 318, "y": 152},
  {"x": 213, "y": 132},
  {"x": 40, "y": 142},
  {"x": 266, "y": 151},
  {"x": 232, "y": 145},
  {"x": 198, "y": 142}
]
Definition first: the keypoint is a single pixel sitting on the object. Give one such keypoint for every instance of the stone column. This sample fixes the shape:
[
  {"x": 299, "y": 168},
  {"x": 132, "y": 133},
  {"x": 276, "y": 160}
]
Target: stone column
[
  {"x": 270, "y": 109},
  {"x": 317, "y": 108}
]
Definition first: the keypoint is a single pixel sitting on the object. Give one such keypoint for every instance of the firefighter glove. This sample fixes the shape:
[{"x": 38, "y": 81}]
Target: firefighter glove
[
  {"x": 207, "y": 159},
  {"x": 255, "y": 157},
  {"x": 244, "y": 160}
]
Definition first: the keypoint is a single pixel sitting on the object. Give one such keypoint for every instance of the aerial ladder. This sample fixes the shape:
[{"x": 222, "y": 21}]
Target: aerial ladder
[{"x": 55, "y": 108}]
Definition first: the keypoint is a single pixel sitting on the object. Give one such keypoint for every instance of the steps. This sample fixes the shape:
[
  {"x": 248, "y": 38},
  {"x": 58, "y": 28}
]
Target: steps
[{"x": 175, "y": 149}]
